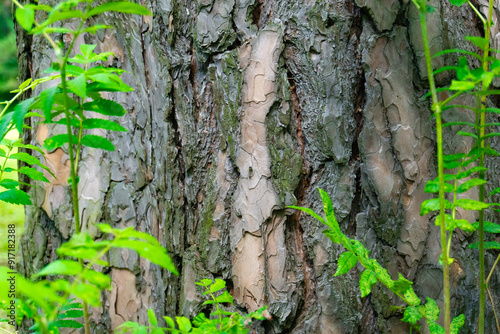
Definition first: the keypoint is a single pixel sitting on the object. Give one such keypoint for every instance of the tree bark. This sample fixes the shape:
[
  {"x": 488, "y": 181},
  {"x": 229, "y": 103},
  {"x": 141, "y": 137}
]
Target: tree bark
[{"x": 241, "y": 108}]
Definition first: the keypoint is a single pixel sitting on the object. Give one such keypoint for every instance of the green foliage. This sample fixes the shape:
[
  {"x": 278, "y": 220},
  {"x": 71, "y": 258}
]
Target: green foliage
[
  {"x": 476, "y": 83},
  {"x": 12, "y": 193},
  {"x": 220, "y": 321},
  {"x": 74, "y": 278},
  {"x": 374, "y": 272},
  {"x": 8, "y": 56}
]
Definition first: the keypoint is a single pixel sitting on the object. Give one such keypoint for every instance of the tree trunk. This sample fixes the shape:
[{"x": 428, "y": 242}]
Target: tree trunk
[{"x": 241, "y": 108}]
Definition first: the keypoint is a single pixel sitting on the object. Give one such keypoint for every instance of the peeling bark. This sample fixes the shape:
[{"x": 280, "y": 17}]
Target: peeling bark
[{"x": 242, "y": 108}]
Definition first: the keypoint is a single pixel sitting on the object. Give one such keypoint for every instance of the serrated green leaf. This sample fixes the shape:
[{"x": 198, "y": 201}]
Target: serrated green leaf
[
  {"x": 58, "y": 30},
  {"x": 78, "y": 59},
  {"x": 200, "y": 319},
  {"x": 72, "y": 306},
  {"x": 19, "y": 111},
  {"x": 451, "y": 164},
  {"x": 184, "y": 323},
  {"x": 15, "y": 196},
  {"x": 470, "y": 204},
  {"x": 458, "y": 2},
  {"x": 108, "y": 87},
  {"x": 170, "y": 322},
  {"x": 61, "y": 267},
  {"x": 97, "y": 123},
  {"x": 104, "y": 56},
  {"x": 67, "y": 323},
  {"x": 86, "y": 49},
  {"x": 30, "y": 160},
  {"x": 480, "y": 42},
  {"x": 56, "y": 15},
  {"x": 452, "y": 157},
  {"x": 5, "y": 123},
  {"x": 308, "y": 211},
  {"x": 105, "y": 77},
  {"x": 105, "y": 228},
  {"x": 105, "y": 107},
  {"x": 469, "y": 184},
  {"x": 157, "y": 331},
  {"x": 487, "y": 245},
  {"x": 152, "y": 318},
  {"x": 9, "y": 183},
  {"x": 431, "y": 309},
  {"x": 432, "y": 205},
  {"x": 347, "y": 261},
  {"x": 46, "y": 99},
  {"x": 463, "y": 224},
  {"x": 218, "y": 285},
  {"x": 225, "y": 297},
  {"x": 25, "y": 84},
  {"x": 433, "y": 187},
  {"x": 33, "y": 174},
  {"x": 128, "y": 327},
  {"x": 366, "y": 281},
  {"x": 26, "y": 17},
  {"x": 97, "y": 142},
  {"x": 100, "y": 69},
  {"x": 119, "y": 6},
  {"x": 330, "y": 221},
  {"x": 64, "y": 121},
  {"x": 462, "y": 85},
  {"x": 100, "y": 280},
  {"x": 411, "y": 315},
  {"x": 490, "y": 151},
  {"x": 71, "y": 314},
  {"x": 79, "y": 85},
  {"x": 412, "y": 298},
  {"x": 73, "y": 70},
  {"x": 457, "y": 323},
  {"x": 488, "y": 227},
  {"x": 401, "y": 285},
  {"x": 88, "y": 293},
  {"x": 56, "y": 141},
  {"x": 435, "y": 328}
]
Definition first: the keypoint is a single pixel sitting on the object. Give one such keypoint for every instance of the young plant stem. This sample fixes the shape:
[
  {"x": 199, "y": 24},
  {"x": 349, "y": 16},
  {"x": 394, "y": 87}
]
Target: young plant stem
[
  {"x": 217, "y": 306},
  {"x": 482, "y": 102},
  {"x": 74, "y": 160},
  {"x": 436, "y": 107}
]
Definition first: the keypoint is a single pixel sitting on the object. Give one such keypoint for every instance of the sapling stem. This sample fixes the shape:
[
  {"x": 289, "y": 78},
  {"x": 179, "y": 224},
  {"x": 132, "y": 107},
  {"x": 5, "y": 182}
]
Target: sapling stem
[
  {"x": 482, "y": 117},
  {"x": 436, "y": 107},
  {"x": 74, "y": 160},
  {"x": 217, "y": 307}
]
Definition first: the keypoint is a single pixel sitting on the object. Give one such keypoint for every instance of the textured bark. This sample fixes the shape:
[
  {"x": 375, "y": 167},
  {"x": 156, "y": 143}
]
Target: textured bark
[{"x": 240, "y": 108}]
